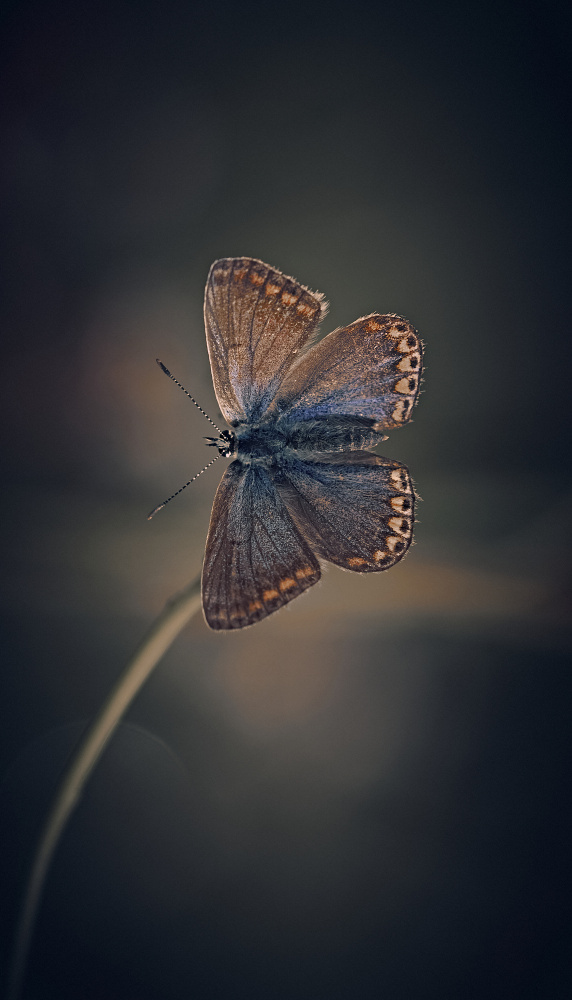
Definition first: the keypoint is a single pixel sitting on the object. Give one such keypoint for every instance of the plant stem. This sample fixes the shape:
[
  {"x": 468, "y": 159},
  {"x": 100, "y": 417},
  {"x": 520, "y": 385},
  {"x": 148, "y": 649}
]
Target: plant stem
[{"x": 162, "y": 633}]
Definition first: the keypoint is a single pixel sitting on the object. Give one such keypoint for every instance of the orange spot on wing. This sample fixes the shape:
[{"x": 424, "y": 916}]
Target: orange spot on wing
[
  {"x": 270, "y": 595},
  {"x": 399, "y": 479},
  {"x": 356, "y": 561},
  {"x": 410, "y": 364},
  {"x": 401, "y": 410},
  {"x": 287, "y": 583},
  {"x": 398, "y": 524},
  {"x": 403, "y": 385},
  {"x": 407, "y": 344},
  {"x": 397, "y": 330},
  {"x": 301, "y": 574},
  {"x": 305, "y": 310}
]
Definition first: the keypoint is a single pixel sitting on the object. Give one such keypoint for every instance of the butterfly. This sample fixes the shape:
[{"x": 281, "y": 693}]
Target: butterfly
[{"x": 303, "y": 484}]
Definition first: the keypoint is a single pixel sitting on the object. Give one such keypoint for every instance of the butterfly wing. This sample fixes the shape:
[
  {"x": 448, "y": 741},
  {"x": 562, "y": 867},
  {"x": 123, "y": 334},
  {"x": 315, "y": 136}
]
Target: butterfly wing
[
  {"x": 370, "y": 369},
  {"x": 356, "y": 510},
  {"x": 256, "y": 321},
  {"x": 255, "y": 558}
]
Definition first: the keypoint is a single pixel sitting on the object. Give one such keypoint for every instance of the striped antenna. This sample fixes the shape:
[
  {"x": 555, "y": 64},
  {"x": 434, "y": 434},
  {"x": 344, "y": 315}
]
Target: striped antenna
[
  {"x": 172, "y": 497},
  {"x": 192, "y": 399}
]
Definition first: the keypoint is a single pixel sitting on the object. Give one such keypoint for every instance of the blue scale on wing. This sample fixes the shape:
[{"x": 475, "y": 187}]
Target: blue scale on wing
[
  {"x": 358, "y": 370},
  {"x": 256, "y": 560},
  {"x": 355, "y": 510}
]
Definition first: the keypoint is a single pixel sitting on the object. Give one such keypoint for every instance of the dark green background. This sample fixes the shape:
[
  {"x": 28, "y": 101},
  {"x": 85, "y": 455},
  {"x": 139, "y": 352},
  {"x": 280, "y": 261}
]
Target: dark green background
[{"x": 367, "y": 795}]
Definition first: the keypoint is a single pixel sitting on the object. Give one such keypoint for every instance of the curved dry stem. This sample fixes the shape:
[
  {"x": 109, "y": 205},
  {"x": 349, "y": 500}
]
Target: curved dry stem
[{"x": 157, "y": 641}]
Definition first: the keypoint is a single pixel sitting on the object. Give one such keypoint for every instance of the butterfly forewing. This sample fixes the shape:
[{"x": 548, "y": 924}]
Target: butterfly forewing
[
  {"x": 356, "y": 511},
  {"x": 255, "y": 559},
  {"x": 256, "y": 320},
  {"x": 371, "y": 368}
]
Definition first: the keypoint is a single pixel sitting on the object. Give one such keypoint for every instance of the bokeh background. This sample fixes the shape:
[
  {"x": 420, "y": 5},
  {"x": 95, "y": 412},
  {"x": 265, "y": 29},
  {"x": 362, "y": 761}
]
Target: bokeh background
[{"x": 368, "y": 794}]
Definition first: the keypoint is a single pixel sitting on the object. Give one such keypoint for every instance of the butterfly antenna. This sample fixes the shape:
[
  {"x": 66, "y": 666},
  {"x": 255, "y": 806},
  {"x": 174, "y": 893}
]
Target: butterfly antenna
[
  {"x": 172, "y": 497},
  {"x": 173, "y": 379}
]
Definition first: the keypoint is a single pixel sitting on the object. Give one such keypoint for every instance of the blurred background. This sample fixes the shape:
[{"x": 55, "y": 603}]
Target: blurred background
[{"x": 368, "y": 794}]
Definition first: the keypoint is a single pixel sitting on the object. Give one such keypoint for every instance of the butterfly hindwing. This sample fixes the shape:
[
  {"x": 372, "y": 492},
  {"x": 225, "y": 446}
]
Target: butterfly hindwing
[
  {"x": 256, "y": 320},
  {"x": 255, "y": 560},
  {"x": 370, "y": 369},
  {"x": 355, "y": 510}
]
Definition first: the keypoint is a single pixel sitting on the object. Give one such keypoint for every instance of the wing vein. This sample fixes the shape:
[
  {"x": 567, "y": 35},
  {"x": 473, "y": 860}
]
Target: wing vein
[
  {"x": 254, "y": 308},
  {"x": 270, "y": 345}
]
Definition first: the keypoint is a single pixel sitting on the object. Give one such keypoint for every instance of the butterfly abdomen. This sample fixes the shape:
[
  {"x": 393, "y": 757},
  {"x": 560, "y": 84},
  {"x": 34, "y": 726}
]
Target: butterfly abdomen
[{"x": 331, "y": 434}]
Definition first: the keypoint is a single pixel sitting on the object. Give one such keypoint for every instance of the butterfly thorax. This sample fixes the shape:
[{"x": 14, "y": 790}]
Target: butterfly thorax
[{"x": 259, "y": 444}]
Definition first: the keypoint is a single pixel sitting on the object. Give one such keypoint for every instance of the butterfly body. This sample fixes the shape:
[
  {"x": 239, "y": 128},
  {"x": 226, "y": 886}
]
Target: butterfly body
[
  {"x": 276, "y": 441},
  {"x": 302, "y": 484}
]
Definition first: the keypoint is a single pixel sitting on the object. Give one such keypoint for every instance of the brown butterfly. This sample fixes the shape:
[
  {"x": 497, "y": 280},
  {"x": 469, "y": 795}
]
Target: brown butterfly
[{"x": 302, "y": 485}]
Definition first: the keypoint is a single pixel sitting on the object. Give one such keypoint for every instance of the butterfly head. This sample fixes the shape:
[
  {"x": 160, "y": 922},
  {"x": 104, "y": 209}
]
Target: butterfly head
[{"x": 225, "y": 443}]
